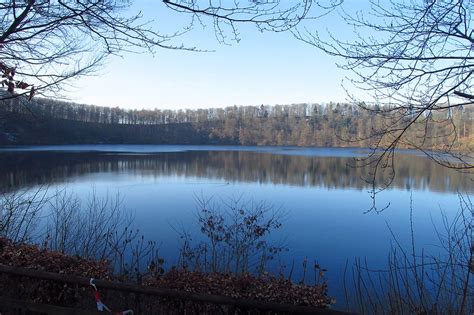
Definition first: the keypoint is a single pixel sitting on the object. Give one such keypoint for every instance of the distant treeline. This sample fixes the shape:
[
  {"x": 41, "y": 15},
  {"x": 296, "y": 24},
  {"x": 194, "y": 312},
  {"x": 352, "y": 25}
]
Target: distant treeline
[{"x": 50, "y": 121}]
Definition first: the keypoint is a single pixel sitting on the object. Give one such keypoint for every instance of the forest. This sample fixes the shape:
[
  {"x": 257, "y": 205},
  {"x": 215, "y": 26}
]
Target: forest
[{"x": 48, "y": 121}]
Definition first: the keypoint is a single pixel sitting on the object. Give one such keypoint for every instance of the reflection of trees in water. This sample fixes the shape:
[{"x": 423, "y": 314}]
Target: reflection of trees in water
[{"x": 24, "y": 169}]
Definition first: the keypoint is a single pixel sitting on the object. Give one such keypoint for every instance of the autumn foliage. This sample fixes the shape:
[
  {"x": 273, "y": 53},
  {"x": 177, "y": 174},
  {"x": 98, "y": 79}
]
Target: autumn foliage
[
  {"x": 244, "y": 286},
  {"x": 8, "y": 81}
]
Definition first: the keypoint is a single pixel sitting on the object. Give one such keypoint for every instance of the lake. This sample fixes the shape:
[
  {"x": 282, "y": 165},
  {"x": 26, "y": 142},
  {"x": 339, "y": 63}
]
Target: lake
[{"x": 324, "y": 199}]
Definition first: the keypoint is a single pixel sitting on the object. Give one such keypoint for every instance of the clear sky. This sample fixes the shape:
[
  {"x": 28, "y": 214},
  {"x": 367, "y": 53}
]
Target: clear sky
[{"x": 263, "y": 68}]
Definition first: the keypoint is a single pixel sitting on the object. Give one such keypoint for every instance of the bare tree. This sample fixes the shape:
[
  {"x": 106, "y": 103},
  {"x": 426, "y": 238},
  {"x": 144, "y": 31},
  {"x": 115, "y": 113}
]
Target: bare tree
[
  {"x": 48, "y": 42},
  {"x": 414, "y": 60},
  {"x": 44, "y": 43}
]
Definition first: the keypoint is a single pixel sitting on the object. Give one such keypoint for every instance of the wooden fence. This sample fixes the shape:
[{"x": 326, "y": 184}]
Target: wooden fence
[{"x": 224, "y": 304}]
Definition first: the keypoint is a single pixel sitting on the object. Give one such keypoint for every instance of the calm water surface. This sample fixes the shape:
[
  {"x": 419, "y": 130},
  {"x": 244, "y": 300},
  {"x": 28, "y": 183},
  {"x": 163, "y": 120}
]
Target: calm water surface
[{"x": 324, "y": 198}]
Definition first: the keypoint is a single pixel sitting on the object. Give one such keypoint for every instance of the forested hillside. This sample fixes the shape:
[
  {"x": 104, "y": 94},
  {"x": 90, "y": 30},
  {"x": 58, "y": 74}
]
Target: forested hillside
[{"x": 47, "y": 121}]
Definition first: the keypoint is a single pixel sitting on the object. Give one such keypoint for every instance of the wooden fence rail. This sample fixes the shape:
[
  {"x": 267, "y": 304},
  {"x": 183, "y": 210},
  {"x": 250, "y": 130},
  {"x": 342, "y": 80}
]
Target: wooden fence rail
[
  {"x": 25, "y": 307},
  {"x": 169, "y": 293}
]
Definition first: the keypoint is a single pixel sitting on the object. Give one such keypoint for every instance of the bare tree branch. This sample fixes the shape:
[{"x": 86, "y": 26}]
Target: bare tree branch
[{"x": 414, "y": 59}]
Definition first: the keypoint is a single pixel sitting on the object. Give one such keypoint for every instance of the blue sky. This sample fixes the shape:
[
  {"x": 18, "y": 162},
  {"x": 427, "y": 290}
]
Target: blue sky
[{"x": 263, "y": 68}]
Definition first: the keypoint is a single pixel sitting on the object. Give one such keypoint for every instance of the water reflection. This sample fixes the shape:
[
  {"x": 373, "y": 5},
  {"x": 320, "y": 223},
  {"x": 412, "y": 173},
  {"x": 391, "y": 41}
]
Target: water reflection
[
  {"x": 23, "y": 169},
  {"x": 326, "y": 222}
]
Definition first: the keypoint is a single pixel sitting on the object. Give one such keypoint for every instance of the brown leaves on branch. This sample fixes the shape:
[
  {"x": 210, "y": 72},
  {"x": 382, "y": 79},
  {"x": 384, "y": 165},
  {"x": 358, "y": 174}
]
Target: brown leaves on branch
[{"x": 8, "y": 74}]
